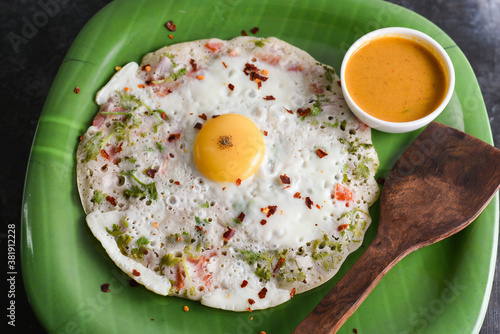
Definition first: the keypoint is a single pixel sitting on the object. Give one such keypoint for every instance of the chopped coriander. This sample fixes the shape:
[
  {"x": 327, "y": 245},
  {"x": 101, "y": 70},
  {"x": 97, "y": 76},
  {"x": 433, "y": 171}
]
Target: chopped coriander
[
  {"x": 331, "y": 125},
  {"x": 205, "y": 205},
  {"x": 98, "y": 197},
  {"x": 161, "y": 148},
  {"x": 137, "y": 192},
  {"x": 143, "y": 241},
  {"x": 260, "y": 43},
  {"x": 251, "y": 257},
  {"x": 94, "y": 146}
]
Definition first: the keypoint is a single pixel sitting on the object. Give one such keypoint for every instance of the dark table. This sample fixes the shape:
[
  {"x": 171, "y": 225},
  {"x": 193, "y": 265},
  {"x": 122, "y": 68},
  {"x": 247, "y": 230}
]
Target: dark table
[{"x": 28, "y": 73}]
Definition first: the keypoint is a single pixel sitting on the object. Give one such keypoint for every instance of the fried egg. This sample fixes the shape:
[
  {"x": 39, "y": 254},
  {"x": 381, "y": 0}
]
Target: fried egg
[{"x": 230, "y": 172}]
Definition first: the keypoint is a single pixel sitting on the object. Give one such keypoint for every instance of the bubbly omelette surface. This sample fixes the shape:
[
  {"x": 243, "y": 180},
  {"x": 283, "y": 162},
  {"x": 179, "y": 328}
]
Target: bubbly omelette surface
[{"x": 230, "y": 172}]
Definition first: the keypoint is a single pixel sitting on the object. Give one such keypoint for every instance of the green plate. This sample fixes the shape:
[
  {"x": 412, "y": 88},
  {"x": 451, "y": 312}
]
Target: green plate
[{"x": 443, "y": 288}]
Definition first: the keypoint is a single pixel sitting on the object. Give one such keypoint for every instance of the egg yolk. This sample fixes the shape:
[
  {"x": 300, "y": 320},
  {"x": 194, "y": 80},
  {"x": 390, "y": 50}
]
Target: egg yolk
[{"x": 229, "y": 147}]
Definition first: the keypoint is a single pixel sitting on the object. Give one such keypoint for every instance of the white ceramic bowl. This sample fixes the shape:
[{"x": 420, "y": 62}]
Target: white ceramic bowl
[{"x": 415, "y": 35}]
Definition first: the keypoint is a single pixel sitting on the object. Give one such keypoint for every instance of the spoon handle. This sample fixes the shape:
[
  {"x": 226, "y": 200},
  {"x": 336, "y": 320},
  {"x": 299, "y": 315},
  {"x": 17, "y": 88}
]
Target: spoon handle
[{"x": 345, "y": 297}]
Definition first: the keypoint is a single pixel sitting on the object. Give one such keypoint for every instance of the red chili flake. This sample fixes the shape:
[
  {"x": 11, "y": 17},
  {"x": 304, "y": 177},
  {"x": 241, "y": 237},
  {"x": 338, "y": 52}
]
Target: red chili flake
[
  {"x": 105, "y": 287},
  {"x": 269, "y": 210},
  {"x": 77, "y": 90},
  {"x": 297, "y": 195},
  {"x": 288, "y": 110},
  {"x": 171, "y": 26},
  {"x": 171, "y": 155},
  {"x": 177, "y": 183},
  {"x": 111, "y": 200},
  {"x": 230, "y": 86},
  {"x": 354, "y": 330},
  {"x": 317, "y": 205},
  {"x": 251, "y": 301},
  {"x": 284, "y": 179},
  {"x": 228, "y": 234},
  {"x": 244, "y": 283},
  {"x": 292, "y": 293},
  {"x": 105, "y": 154},
  {"x": 321, "y": 154},
  {"x": 193, "y": 65},
  {"x": 342, "y": 227},
  {"x": 199, "y": 228},
  {"x": 223, "y": 63},
  {"x": 163, "y": 115},
  {"x": 269, "y": 98},
  {"x": 263, "y": 222},
  {"x": 244, "y": 33},
  {"x": 174, "y": 136},
  {"x": 279, "y": 264},
  {"x": 203, "y": 116},
  {"x": 238, "y": 182},
  {"x": 309, "y": 203},
  {"x": 253, "y": 72},
  {"x": 145, "y": 67},
  {"x": 136, "y": 273},
  {"x": 241, "y": 217},
  {"x": 119, "y": 148},
  {"x": 338, "y": 83},
  {"x": 262, "y": 293},
  {"x": 303, "y": 112},
  {"x": 254, "y": 30},
  {"x": 198, "y": 126},
  {"x": 265, "y": 133},
  {"x": 80, "y": 138}
]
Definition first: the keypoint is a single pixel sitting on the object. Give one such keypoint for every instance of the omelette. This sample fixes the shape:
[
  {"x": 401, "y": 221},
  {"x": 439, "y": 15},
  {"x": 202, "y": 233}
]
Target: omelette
[{"x": 229, "y": 172}]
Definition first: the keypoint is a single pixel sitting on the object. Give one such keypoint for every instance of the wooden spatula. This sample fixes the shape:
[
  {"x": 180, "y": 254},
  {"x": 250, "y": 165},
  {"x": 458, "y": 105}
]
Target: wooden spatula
[{"x": 438, "y": 186}]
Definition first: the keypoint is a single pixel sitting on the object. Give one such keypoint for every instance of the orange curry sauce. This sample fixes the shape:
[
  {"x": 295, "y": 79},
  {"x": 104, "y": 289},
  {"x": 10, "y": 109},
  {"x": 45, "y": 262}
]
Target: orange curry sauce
[{"x": 396, "y": 79}]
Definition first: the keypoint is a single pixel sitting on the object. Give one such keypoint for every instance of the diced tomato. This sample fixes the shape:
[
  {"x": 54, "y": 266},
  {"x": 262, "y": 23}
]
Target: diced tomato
[
  {"x": 99, "y": 120},
  {"x": 179, "y": 278},
  {"x": 342, "y": 193},
  {"x": 270, "y": 59},
  {"x": 343, "y": 227},
  {"x": 214, "y": 46}
]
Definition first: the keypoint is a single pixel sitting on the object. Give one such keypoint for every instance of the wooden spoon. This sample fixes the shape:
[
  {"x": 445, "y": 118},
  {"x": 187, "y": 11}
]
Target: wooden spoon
[{"x": 438, "y": 186}]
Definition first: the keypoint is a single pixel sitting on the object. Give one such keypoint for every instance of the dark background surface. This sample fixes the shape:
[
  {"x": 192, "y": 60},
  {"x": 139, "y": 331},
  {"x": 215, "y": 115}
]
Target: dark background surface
[{"x": 27, "y": 75}]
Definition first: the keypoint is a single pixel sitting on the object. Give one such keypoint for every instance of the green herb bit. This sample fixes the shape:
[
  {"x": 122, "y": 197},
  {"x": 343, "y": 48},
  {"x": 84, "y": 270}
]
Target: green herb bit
[
  {"x": 122, "y": 242},
  {"x": 94, "y": 146},
  {"x": 129, "y": 102},
  {"x": 251, "y": 257},
  {"x": 205, "y": 205},
  {"x": 200, "y": 222},
  {"x": 260, "y": 43},
  {"x": 169, "y": 260},
  {"x": 142, "y": 242},
  {"x": 329, "y": 73},
  {"x": 263, "y": 273},
  {"x": 98, "y": 196},
  {"x": 362, "y": 171},
  {"x": 161, "y": 148},
  {"x": 331, "y": 125},
  {"x": 136, "y": 191}
]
